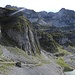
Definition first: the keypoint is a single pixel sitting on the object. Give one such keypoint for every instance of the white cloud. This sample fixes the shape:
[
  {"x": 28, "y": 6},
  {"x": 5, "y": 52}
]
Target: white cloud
[{"x": 39, "y": 5}]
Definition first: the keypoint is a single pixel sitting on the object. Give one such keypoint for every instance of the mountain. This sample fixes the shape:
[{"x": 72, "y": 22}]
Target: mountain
[
  {"x": 20, "y": 51},
  {"x": 36, "y": 47},
  {"x": 62, "y": 18},
  {"x": 53, "y": 29}
]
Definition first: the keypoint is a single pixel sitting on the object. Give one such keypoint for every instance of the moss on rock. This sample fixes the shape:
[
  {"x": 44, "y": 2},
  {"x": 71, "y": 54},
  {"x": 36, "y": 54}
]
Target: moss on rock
[{"x": 18, "y": 29}]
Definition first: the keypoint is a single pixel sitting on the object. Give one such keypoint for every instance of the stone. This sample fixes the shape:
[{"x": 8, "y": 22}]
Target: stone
[{"x": 18, "y": 29}]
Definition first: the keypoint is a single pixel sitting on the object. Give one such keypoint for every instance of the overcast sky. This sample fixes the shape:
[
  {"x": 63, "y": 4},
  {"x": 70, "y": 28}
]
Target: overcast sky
[{"x": 41, "y": 5}]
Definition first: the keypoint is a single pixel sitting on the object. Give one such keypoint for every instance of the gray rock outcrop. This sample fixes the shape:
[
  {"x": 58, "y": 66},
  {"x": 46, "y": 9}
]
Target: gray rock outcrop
[{"x": 18, "y": 29}]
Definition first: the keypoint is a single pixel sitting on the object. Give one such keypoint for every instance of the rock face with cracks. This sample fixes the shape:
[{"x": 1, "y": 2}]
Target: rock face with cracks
[{"x": 18, "y": 29}]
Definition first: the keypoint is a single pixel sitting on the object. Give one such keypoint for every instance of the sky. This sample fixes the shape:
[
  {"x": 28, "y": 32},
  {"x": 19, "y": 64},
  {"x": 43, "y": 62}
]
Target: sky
[{"x": 41, "y": 5}]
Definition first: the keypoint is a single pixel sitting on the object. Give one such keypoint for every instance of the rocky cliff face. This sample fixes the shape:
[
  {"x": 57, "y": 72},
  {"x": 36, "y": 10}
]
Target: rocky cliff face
[{"x": 19, "y": 30}]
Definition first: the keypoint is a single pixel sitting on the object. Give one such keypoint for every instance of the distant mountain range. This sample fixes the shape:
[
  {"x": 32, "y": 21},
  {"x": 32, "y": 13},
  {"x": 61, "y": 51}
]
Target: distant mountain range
[{"x": 62, "y": 18}]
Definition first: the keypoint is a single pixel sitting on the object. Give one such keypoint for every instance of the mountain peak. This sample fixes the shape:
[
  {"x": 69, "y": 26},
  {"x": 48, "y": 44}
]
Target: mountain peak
[{"x": 62, "y": 9}]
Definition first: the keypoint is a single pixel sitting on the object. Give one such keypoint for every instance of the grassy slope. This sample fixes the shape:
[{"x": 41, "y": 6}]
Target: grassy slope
[{"x": 18, "y": 55}]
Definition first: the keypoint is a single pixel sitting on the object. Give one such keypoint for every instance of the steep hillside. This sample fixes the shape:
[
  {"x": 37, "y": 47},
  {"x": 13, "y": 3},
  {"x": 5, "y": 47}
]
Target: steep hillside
[
  {"x": 17, "y": 40},
  {"x": 18, "y": 29},
  {"x": 57, "y": 28}
]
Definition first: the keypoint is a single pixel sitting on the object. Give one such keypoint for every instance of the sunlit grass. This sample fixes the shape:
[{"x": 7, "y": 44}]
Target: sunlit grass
[{"x": 62, "y": 63}]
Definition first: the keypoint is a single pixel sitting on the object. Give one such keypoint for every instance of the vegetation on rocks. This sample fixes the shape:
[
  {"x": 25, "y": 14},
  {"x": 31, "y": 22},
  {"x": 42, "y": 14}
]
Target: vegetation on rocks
[
  {"x": 62, "y": 63},
  {"x": 18, "y": 29},
  {"x": 47, "y": 42}
]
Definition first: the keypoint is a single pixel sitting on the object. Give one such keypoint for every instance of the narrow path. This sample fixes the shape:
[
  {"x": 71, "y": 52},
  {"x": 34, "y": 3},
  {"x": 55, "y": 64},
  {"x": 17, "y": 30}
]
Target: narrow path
[
  {"x": 7, "y": 62},
  {"x": 22, "y": 64}
]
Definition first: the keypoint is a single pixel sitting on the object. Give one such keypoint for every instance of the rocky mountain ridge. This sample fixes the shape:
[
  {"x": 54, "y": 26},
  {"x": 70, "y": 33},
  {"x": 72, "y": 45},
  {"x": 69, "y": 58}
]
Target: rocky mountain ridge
[{"x": 62, "y": 18}]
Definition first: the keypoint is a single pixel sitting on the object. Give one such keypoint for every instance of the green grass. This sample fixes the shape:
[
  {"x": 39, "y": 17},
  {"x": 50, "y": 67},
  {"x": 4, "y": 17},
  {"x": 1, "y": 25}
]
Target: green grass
[
  {"x": 41, "y": 58},
  {"x": 30, "y": 58},
  {"x": 17, "y": 51},
  {"x": 37, "y": 50},
  {"x": 4, "y": 68},
  {"x": 62, "y": 63},
  {"x": 62, "y": 51},
  {"x": 1, "y": 52}
]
